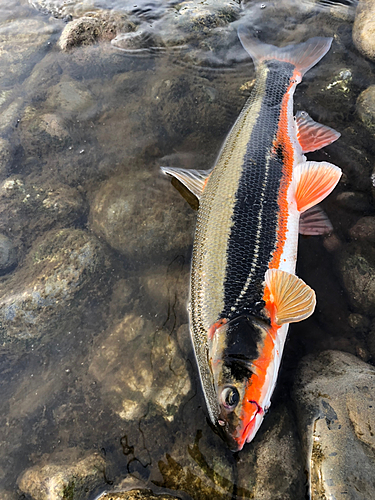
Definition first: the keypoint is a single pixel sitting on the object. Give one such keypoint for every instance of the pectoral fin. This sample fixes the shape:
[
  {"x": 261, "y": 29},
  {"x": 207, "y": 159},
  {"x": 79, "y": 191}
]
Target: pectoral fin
[
  {"x": 314, "y": 222},
  {"x": 314, "y": 181},
  {"x": 313, "y": 135},
  {"x": 292, "y": 299},
  {"x": 193, "y": 180}
]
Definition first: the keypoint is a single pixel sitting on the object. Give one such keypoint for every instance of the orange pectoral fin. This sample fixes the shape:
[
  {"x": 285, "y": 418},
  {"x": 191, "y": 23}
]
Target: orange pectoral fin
[
  {"x": 292, "y": 298},
  {"x": 313, "y": 182}
]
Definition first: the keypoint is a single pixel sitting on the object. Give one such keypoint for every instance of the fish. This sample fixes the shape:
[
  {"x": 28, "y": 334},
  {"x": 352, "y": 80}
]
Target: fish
[{"x": 261, "y": 193}]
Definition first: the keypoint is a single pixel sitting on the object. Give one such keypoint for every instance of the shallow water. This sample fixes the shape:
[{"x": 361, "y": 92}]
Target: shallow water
[{"x": 95, "y": 353}]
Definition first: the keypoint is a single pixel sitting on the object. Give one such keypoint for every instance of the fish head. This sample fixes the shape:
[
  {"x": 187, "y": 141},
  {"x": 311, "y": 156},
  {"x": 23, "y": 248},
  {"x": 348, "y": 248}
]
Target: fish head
[{"x": 241, "y": 377}]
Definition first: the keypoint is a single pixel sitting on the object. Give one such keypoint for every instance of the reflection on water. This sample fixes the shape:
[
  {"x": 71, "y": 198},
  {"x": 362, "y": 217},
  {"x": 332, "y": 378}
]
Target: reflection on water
[{"x": 98, "y": 380}]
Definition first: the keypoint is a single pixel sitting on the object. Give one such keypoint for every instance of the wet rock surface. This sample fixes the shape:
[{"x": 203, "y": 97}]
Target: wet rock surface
[
  {"x": 131, "y": 212},
  {"x": 334, "y": 395},
  {"x": 366, "y": 106},
  {"x": 364, "y": 28},
  {"x": 357, "y": 268},
  {"x": 64, "y": 480},
  {"x": 58, "y": 268},
  {"x": 28, "y": 207},
  {"x": 136, "y": 495},
  {"x": 132, "y": 385},
  {"x": 86, "y": 30}
]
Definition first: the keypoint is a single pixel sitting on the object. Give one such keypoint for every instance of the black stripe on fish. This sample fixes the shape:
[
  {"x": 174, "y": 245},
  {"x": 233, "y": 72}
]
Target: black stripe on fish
[{"x": 253, "y": 236}]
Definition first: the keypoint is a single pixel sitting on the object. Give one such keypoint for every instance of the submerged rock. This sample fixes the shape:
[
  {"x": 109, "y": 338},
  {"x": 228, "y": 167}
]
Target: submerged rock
[
  {"x": 335, "y": 399},
  {"x": 140, "y": 215},
  {"x": 66, "y": 479},
  {"x": 356, "y": 265},
  {"x": 60, "y": 266},
  {"x": 98, "y": 26},
  {"x": 364, "y": 28},
  {"x": 364, "y": 230},
  {"x": 8, "y": 254},
  {"x": 140, "y": 370},
  {"x": 28, "y": 208},
  {"x": 366, "y": 104},
  {"x": 136, "y": 495},
  {"x": 278, "y": 468}
]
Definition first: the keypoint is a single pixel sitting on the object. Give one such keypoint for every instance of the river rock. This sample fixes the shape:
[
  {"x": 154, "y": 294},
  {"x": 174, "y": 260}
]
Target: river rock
[
  {"x": 364, "y": 28},
  {"x": 8, "y": 254},
  {"x": 23, "y": 42},
  {"x": 140, "y": 215},
  {"x": 97, "y": 26},
  {"x": 27, "y": 208},
  {"x": 364, "y": 230},
  {"x": 278, "y": 471},
  {"x": 335, "y": 400},
  {"x": 366, "y": 105},
  {"x": 60, "y": 267},
  {"x": 66, "y": 479},
  {"x": 356, "y": 265},
  {"x": 138, "y": 366},
  {"x": 136, "y": 495}
]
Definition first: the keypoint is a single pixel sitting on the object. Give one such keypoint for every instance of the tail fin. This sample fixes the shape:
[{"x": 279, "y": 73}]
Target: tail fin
[{"x": 303, "y": 55}]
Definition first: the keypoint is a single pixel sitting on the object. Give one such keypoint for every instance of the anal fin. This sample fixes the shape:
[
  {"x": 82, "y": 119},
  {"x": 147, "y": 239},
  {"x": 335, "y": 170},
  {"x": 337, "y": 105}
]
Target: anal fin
[
  {"x": 194, "y": 180},
  {"x": 314, "y": 181},
  {"x": 292, "y": 299},
  {"x": 314, "y": 222},
  {"x": 313, "y": 135}
]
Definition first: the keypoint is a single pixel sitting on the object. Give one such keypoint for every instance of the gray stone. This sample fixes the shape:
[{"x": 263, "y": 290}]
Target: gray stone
[
  {"x": 366, "y": 106},
  {"x": 278, "y": 468},
  {"x": 364, "y": 230},
  {"x": 8, "y": 254},
  {"x": 354, "y": 201},
  {"x": 64, "y": 480},
  {"x": 28, "y": 207},
  {"x": 364, "y": 28},
  {"x": 140, "y": 370},
  {"x": 335, "y": 400},
  {"x": 356, "y": 265},
  {"x": 141, "y": 215},
  {"x": 98, "y": 26},
  {"x": 21, "y": 47},
  {"x": 45, "y": 289}
]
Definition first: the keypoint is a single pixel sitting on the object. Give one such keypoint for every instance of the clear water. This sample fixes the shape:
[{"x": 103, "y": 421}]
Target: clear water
[{"x": 100, "y": 360}]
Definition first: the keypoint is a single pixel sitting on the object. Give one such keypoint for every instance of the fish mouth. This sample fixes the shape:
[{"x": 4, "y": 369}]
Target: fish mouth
[{"x": 252, "y": 426}]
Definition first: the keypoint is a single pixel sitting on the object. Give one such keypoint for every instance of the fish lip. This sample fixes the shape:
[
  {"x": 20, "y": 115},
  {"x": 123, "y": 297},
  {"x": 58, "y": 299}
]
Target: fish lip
[{"x": 244, "y": 436}]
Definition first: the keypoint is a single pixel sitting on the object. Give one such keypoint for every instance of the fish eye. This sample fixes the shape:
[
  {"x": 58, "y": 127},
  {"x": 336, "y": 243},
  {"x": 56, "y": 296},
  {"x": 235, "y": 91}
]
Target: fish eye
[{"x": 230, "y": 397}]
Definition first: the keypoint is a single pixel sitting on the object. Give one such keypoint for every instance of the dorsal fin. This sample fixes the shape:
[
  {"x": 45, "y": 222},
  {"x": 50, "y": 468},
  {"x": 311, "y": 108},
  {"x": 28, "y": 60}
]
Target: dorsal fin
[
  {"x": 193, "y": 180},
  {"x": 313, "y": 135}
]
